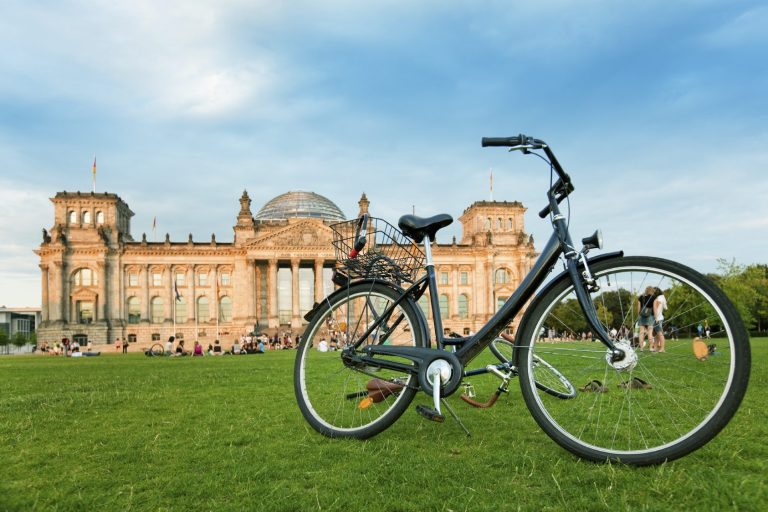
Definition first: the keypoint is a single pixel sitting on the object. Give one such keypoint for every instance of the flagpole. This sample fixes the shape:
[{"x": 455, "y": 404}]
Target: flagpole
[
  {"x": 94, "y": 173},
  {"x": 491, "y": 184}
]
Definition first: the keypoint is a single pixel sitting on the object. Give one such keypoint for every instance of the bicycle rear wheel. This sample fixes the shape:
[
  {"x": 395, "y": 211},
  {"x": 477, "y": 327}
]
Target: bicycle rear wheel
[
  {"x": 338, "y": 399},
  {"x": 547, "y": 379},
  {"x": 654, "y": 406}
]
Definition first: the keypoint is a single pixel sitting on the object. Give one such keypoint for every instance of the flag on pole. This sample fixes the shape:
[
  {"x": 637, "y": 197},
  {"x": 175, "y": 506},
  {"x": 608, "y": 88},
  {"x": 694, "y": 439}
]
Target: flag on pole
[
  {"x": 491, "y": 184},
  {"x": 176, "y": 290},
  {"x": 93, "y": 171},
  {"x": 154, "y": 223}
]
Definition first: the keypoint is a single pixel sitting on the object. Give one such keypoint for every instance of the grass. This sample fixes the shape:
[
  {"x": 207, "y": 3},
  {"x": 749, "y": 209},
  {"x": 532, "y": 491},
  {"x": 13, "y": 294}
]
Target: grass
[{"x": 135, "y": 433}]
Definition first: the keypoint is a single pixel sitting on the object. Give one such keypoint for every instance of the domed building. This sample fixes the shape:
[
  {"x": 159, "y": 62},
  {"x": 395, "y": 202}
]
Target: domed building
[{"x": 101, "y": 285}]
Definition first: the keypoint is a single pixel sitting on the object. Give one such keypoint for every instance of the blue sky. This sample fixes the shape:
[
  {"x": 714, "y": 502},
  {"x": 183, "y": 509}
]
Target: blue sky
[{"x": 658, "y": 110}]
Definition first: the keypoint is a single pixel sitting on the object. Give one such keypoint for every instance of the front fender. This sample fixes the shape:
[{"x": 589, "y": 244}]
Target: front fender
[{"x": 519, "y": 341}]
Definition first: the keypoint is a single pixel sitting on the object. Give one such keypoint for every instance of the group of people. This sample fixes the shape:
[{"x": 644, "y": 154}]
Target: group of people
[
  {"x": 66, "y": 347},
  {"x": 650, "y": 319},
  {"x": 246, "y": 344}
]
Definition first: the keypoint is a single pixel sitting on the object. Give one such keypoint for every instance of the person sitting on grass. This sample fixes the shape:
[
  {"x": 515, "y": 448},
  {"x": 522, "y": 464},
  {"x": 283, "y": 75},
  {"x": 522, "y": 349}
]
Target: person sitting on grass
[
  {"x": 216, "y": 348},
  {"x": 180, "y": 349},
  {"x": 198, "y": 350},
  {"x": 169, "y": 345}
]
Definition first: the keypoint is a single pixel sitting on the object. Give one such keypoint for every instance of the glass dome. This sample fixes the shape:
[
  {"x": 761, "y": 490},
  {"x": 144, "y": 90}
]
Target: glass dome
[{"x": 300, "y": 204}]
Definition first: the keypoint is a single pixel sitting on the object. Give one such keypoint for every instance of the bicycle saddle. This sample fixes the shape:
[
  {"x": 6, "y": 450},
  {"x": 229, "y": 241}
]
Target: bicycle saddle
[{"x": 419, "y": 227}]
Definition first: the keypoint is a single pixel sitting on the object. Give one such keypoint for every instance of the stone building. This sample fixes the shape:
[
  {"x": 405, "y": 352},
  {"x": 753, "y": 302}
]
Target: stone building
[{"x": 100, "y": 284}]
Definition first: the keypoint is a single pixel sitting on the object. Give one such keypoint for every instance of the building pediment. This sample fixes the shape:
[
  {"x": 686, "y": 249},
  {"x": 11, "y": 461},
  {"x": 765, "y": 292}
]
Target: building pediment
[{"x": 301, "y": 234}]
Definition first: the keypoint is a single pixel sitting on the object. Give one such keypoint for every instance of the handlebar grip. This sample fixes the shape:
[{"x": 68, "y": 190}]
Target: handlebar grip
[{"x": 503, "y": 141}]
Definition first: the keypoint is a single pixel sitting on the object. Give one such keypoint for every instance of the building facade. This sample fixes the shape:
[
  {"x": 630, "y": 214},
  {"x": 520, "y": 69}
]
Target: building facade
[{"x": 100, "y": 285}]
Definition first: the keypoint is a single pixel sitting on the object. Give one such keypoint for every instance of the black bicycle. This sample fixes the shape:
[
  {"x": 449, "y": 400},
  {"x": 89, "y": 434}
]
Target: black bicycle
[{"x": 633, "y": 406}]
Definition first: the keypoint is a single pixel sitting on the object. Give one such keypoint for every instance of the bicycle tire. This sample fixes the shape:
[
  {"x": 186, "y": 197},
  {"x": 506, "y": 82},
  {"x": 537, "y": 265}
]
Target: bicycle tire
[
  {"x": 333, "y": 397},
  {"x": 548, "y": 378},
  {"x": 663, "y": 406},
  {"x": 156, "y": 350}
]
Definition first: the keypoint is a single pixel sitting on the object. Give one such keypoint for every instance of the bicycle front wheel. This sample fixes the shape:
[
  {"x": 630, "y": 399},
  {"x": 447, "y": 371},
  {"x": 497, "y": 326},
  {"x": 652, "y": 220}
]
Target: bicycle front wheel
[
  {"x": 342, "y": 400},
  {"x": 652, "y": 406},
  {"x": 547, "y": 378}
]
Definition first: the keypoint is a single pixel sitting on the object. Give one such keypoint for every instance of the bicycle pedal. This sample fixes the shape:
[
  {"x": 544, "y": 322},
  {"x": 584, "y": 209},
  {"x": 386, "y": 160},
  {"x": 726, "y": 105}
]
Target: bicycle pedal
[{"x": 430, "y": 413}]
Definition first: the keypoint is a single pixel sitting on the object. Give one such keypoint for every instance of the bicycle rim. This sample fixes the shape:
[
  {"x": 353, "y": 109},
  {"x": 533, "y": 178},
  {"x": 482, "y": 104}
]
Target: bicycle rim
[
  {"x": 340, "y": 401},
  {"x": 666, "y": 404}
]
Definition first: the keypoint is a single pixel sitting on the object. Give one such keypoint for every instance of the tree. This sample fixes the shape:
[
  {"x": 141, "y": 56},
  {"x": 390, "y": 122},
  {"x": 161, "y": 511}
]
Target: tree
[
  {"x": 740, "y": 286},
  {"x": 19, "y": 340},
  {"x": 4, "y": 339}
]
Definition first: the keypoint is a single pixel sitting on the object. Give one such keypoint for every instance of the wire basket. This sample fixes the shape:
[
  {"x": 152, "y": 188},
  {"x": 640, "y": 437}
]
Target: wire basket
[{"x": 388, "y": 254}]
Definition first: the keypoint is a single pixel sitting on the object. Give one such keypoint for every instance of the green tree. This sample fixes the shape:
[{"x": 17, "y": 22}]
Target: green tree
[
  {"x": 4, "y": 339},
  {"x": 19, "y": 339},
  {"x": 739, "y": 286}
]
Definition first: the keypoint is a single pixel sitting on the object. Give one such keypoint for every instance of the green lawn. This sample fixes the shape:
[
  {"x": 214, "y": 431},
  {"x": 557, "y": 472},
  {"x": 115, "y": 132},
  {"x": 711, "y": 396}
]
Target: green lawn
[{"x": 136, "y": 433}]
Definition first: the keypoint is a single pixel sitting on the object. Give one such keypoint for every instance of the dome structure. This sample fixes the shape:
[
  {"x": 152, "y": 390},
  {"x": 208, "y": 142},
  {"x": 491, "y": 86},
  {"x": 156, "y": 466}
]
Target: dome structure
[{"x": 300, "y": 204}]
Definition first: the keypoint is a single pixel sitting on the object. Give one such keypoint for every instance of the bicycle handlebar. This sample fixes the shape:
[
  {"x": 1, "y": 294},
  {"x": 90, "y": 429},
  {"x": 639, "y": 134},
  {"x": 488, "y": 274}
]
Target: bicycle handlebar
[{"x": 561, "y": 189}]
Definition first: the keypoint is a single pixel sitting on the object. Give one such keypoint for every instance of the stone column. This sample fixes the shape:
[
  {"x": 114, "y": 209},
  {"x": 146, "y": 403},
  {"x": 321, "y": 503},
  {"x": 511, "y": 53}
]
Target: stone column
[
  {"x": 257, "y": 291},
  {"x": 101, "y": 278},
  {"x": 55, "y": 293},
  {"x": 44, "y": 289},
  {"x": 169, "y": 294},
  {"x": 145, "y": 318},
  {"x": 65, "y": 306},
  {"x": 191, "y": 295},
  {"x": 295, "y": 316},
  {"x": 319, "y": 280},
  {"x": 272, "y": 318},
  {"x": 214, "y": 280},
  {"x": 455, "y": 290}
]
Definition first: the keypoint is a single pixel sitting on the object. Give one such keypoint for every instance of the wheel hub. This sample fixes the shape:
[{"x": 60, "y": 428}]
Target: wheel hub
[{"x": 625, "y": 363}]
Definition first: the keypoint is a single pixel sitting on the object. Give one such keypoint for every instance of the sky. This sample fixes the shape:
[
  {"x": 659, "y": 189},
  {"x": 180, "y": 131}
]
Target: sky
[{"x": 657, "y": 109}]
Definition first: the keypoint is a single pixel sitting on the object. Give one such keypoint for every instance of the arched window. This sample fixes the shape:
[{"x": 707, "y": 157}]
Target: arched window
[
  {"x": 86, "y": 217},
  {"x": 157, "y": 310},
  {"x": 225, "y": 309},
  {"x": 181, "y": 311},
  {"x": 84, "y": 277},
  {"x": 134, "y": 310},
  {"x": 502, "y": 276},
  {"x": 99, "y": 217},
  {"x": 488, "y": 223},
  {"x": 463, "y": 306},
  {"x": 498, "y": 224},
  {"x": 424, "y": 305},
  {"x": 72, "y": 217},
  {"x": 510, "y": 225},
  {"x": 203, "y": 312},
  {"x": 444, "y": 306}
]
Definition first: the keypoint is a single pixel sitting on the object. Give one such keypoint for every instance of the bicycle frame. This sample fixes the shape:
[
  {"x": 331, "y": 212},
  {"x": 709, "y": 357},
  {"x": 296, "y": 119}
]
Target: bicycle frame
[{"x": 468, "y": 348}]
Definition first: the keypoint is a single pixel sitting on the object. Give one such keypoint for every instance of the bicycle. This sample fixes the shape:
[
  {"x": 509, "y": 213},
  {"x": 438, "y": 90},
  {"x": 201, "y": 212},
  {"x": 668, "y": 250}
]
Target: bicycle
[{"x": 635, "y": 407}]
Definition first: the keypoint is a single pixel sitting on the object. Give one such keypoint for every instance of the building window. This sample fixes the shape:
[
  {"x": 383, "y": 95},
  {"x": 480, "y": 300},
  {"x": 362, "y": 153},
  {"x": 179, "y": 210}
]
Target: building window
[
  {"x": 225, "y": 279},
  {"x": 99, "y": 217},
  {"x": 180, "y": 278},
  {"x": 225, "y": 309},
  {"x": 463, "y": 306},
  {"x": 443, "y": 277},
  {"x": 498, "y": 224},
  {"x": 500, "y": 302},
  {"x": 157, "y": 312},
  {"x": 157, "y": 279},
  {"x": 155, "y": 336},
  {"x": 424, "y": 305},
  {"x": 444, "y": 306},
  {"x": 84, "y": 312},
  {"x": 502, "y": 276},
  {"x": 86, "y": 217},
  {"x": 202, "y": 279},
  {"x": 72, "y": 217},
  {"x": 464, "y": 278},
  {"x": 133, "y": 279},
  {"x": 510, "y": 226},
  {"x": 203, "y": 313},
  {"x": 134, "y": 310},
  {"x": 487, "y": 223},
  {"x": 131, "y": 338},
  {"x": 181, "y": 311},
  {"x": 84, "y": 277}
]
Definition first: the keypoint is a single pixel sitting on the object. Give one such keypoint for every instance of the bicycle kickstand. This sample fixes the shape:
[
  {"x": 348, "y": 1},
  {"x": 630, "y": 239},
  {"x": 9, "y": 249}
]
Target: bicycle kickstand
[{"x": 437, "y": 378}]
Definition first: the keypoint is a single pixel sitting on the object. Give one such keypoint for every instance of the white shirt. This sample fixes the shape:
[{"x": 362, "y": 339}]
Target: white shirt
[{"x": 659, "y": 305}]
